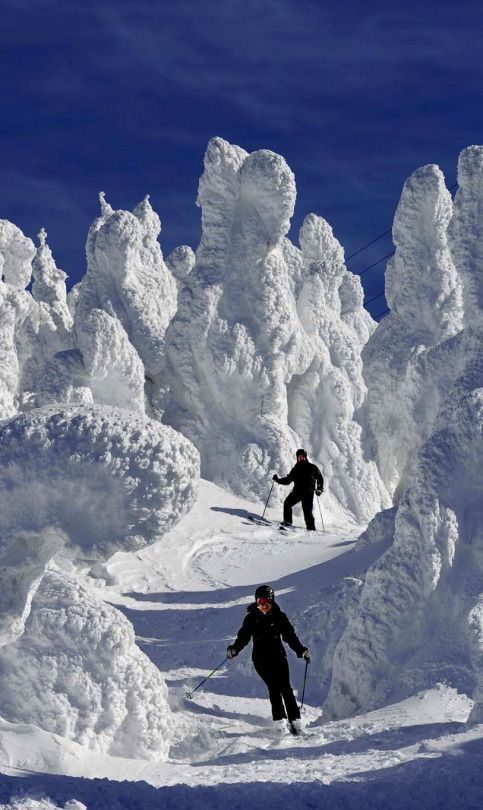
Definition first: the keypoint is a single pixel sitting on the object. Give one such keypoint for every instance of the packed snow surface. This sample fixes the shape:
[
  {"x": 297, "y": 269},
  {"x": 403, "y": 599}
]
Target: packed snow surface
[{"x": 186, "y": 598}]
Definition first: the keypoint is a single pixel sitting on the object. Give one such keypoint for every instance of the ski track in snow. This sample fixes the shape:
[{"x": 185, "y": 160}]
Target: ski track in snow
[{"x": 186, "y": 597}]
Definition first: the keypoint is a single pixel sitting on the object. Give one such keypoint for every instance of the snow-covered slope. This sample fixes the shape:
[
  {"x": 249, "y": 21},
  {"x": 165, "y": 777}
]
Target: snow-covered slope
[{"x": 186, "y": 597}]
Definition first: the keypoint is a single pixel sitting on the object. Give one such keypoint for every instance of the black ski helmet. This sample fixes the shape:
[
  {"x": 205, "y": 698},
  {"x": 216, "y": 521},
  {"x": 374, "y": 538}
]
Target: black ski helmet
[
  {"x": 265, "y": 592},
  {"x": 301, "y": 452}
]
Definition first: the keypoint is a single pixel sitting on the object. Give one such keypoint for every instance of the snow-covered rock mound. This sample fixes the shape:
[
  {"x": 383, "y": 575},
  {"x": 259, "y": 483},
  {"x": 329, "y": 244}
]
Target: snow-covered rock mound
[{"x": 76, "y": 671}]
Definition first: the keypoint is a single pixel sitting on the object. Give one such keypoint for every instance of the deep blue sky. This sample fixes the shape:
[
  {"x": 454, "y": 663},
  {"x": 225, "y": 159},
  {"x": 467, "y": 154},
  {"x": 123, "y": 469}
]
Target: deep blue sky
[{"x": 123, "y": 96}]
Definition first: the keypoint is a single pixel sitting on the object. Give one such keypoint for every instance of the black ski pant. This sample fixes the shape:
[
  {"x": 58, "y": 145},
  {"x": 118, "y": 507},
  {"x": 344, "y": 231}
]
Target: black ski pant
[
  {"x": 275, "y": 673},
  {"x": 307, "y": 499}
]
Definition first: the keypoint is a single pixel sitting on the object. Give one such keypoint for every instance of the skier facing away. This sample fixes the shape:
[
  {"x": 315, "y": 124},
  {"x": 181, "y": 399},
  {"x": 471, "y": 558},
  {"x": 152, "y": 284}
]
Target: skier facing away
[
  {"x": 267, "y": 625},
  {"x": 307, "y": 479}
]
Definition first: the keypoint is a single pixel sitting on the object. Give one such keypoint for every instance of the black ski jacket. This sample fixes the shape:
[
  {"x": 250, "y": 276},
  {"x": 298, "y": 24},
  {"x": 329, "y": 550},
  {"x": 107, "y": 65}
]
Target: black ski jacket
[
  {"x": 267, "y": 631},
  {"x": 305, "y": 476}
]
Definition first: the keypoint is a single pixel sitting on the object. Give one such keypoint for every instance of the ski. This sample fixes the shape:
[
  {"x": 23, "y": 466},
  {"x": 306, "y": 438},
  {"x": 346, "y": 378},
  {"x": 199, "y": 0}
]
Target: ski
[
  {"x": 266, "y": 522},
  {"x": 260, "y": 521}
]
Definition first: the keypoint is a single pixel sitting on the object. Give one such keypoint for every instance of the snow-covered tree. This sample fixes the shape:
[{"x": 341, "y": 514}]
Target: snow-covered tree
[
  {"x": 423, "y": 290},
  {"x": 420, "y": 617},
  {"x": 16, "y": 254},
  {"x": 76, "y": 671},
  {"x": 236, "y": 338},
  {"x": 79, "y": 483},
  {"x": 323, "y": 400},
  {"x": 124, "y": 305},
  {"x": 48, "y": 329},
  {"x": 252, "y": 351}
]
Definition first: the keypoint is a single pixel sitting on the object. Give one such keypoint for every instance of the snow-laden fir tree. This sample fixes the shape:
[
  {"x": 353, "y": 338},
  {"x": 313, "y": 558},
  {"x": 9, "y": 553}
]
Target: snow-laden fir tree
[
  {"x": 420, "y": 617},
  {"x": 424, "y": 293}
]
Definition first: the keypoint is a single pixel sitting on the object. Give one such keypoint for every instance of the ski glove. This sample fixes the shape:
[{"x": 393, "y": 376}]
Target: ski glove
[
  {"x": 319, "y": 492},
  {"x": 230, "y": 651},
  {"x": 307, "y": 656},
  {"x": 275, "y": 478}
]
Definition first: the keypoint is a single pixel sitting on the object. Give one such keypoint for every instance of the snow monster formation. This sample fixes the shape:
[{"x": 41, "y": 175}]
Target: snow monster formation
[
  {"x": 77, "y": 672},
  {"x": 33, "y": 326},
  {"x": 123, "y": 307},
  {"x": 16, "y": 254},
  {"x": 236, "y": 338},
  {"x": 324, "y": 400},
  {"x": 405, "y": 380},
  {"x": 48, "y": 329},
  {"x": 252, "y": 333},
  {"x": 420, "y": 615},
  {"x": 79, "y": 483}
]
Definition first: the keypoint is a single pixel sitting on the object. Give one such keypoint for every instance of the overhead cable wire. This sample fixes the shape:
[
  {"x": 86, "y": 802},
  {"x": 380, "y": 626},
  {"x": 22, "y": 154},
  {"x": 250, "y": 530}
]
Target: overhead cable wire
[
  {"x": 368, "y": 244},
  {"x": 366, "y": 269},
  {"x": 450, "y": 188},
  {"x": 376, "y": 263},
  {"x": 374, "y": 298}
]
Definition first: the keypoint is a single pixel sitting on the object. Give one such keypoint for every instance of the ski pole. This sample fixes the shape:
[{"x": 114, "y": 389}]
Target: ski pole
[
  {"x": 189, "y": 695},
  {"x": 268, "y": 500},
  {"x": 305, "y": 681},
  {"x": 321, "y": 518}
]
